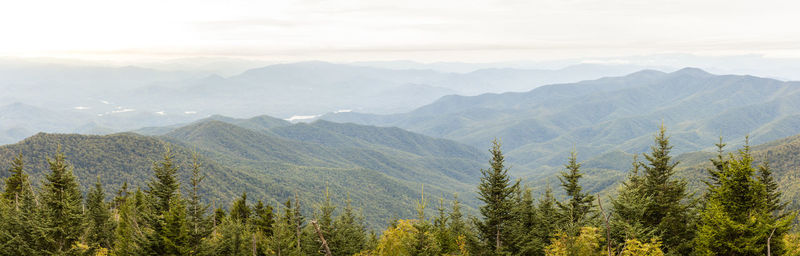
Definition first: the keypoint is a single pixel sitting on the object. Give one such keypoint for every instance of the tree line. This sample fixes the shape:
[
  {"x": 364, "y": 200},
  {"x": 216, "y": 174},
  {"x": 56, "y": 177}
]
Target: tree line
[{"x": 740, "y": 213}]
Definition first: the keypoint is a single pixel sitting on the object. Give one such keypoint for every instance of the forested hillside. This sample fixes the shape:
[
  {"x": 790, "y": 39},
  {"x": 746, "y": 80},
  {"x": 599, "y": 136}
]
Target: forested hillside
[
  {"x": 381, "y": 167},
  {"x": 608, "y": 115},
  {"x": 739, "y": 210}
]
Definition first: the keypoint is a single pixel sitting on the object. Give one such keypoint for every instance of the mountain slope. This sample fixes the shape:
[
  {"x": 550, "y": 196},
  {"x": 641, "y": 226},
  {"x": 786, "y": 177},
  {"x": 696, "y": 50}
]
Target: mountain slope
[
  {"x": 607, "y": 115},
  {"x": 380, "y": 169}
]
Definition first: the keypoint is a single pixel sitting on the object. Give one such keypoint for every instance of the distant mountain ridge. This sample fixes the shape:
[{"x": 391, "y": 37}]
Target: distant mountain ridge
[
  {"x": 105, "y": 99},
  {"x": 539, "y": 127}
]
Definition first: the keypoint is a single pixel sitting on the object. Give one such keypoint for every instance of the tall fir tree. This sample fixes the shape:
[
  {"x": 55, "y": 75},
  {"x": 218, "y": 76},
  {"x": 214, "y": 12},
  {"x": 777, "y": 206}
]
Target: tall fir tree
[
  {"x": 496, "y": 191},
  {"x": 240, "y": 211},
  {"x": 20, "y": 218},
  {"x": 670, "y": 209},
  {"x": 200, "y": 224},
  {"x": 100, "y": 226},
  {"x": 163, "y": 193},
  {"x": 738, "y": 219},
  {"x": 578, "y": 210},
  {"x": 16, "y": 182},
  {"x": 63, "y": 208}
]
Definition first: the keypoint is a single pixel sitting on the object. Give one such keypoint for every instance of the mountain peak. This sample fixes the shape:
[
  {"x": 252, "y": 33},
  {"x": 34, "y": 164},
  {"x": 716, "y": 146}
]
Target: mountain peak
[{"x": 691, "y": 71}]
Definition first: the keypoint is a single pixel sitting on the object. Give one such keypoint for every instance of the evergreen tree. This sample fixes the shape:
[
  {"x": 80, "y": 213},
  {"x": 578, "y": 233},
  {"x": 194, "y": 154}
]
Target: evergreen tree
[
  {"x": 577, "y": 211},
  {"x": 738, "y": 219},
  {"x": 446, "y": 240},
  {"x": 63, "y": 212},
  {"x": 234, "y": 239},
  {"x": 128, "y": 234},
  {"x": 547, "y": 212},
  {"x": 262, "y": 218},
  {"x": 239, "y": 210},
  {"x": 496, "y": 192},
  {"x": 199, "y": 224},
  {"x": 16, "y": 181},
  {"x": 349, "y": 233},
  {"x": 526, "y": 221},
  {"x": 284, "y": 237},
  {"x": 100, "y": 226},
  {"x": 20, "y": 223},
  {"x": 773, "y": 194},
  {"x": 167, "y": 224},
  {"x": 630, "y": 207}
]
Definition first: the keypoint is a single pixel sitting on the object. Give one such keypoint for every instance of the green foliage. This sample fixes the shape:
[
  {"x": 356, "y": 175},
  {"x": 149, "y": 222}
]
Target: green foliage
[
  {"x": 578, "y": 210},
  {"x": 100, "y": 226},
  {"x": 15, "y": 184},
  {"x": 63, "y": 210},
  {"x": 496, "y": 190},
  {"x": 738, "y": 217},
  {"x": 655, "y": 204}
]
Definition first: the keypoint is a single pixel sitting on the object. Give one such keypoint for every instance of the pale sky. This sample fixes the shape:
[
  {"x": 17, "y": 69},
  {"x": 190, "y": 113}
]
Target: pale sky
[{"x": 421, "y": 30}]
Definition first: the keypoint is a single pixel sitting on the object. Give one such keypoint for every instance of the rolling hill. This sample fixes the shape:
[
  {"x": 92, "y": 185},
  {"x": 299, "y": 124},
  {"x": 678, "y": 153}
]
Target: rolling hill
[
  {"x": 380, "y": 169},
  {"x": 607, "y": 115}
]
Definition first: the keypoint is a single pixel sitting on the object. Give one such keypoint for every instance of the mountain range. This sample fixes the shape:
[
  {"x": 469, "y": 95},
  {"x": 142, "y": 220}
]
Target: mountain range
[
  {"x": 102, "y": 100},
  {"x": 614, "y": 114}
]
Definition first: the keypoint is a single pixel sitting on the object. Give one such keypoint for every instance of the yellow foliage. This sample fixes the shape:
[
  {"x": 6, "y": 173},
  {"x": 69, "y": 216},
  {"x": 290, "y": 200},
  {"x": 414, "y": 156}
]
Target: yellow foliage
[
  {"x": 395, "y": 241},
  {"x": 586, "y": 243},
  {"x": 635, "y": 248},
  {"x": 791, "y": 243}
]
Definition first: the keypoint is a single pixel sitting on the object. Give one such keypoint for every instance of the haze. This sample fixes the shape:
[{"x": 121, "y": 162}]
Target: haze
[{"x": 361, "y": 30}]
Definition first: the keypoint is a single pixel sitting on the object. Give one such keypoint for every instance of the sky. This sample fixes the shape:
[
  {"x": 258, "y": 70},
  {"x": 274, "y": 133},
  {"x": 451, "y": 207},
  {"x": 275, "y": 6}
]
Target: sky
[{"x": 420, "y": 30}]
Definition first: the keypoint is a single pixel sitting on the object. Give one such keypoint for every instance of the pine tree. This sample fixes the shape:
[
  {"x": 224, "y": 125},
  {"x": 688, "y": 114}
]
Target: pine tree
[
  {"x": 577, "y": 211},
  {"x": 263, "y": 218},
  {"x": 199, "y": 223},
  {"x": 669, "y": 210},
  {"x": 63, "y": 212},
  {"x": 496, "y": 192},
  {"x": 630, "y": 207},
  {"x": 526, "y": 221},
  {"x": 128, "y": 234},
  {"x": 239, "y": 210},
  {"x": 547, "y": 211},
  {"x": 175, "y": 234},
  {"x": 163, "y": 193},
  {"x": 737, "y": 219},
  {"x": 773, "y": 193},
  {"x": 20, "y": 223},
  {"x": 100, "y": 226},
  {"x": 16, "y": 182},
  {"x": 325, "y": 222},
  {"x": 349, "y": 233},
  {"x": 446, "y": 240}
]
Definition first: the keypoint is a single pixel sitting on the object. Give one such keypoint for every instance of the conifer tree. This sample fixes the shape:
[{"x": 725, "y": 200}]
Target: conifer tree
[
  {"x": 496, "y": 192},
  {"x": 577, "y": 211},
  {"x": 737, "y": 219},
  {"x": 99, "y": 224},
  {"x": 63, "y": 211},
  {"x": 16, "y": 181},
  {"x": 199, "y": 223},
  {"x": 444, "y": 238},
  {"x": 239, "y": 210},
  {"x": 773, "y": 194},
  {"x": 167, "y": 224},
  {"x": 128, "y": 233},
  {"x": 20, "y": 223},
  {"x": 526, "y": 221},
  {"x": 630, "y": 207},
  {"x": 547, "y": 212},
  {"x": 263, "y": 218},
  {"x": 349, "y": 232},
  {"x": 669, "y": 210}
]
